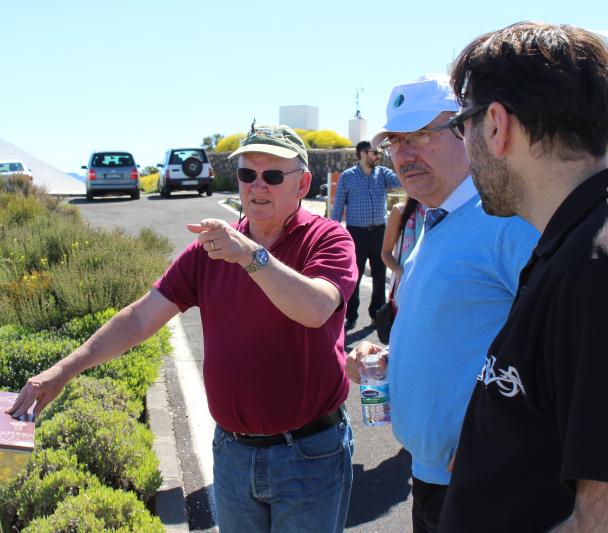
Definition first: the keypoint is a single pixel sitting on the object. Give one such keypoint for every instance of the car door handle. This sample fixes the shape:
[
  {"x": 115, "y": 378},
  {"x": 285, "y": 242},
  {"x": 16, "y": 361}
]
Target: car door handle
[{"x": 175, "y": 169}]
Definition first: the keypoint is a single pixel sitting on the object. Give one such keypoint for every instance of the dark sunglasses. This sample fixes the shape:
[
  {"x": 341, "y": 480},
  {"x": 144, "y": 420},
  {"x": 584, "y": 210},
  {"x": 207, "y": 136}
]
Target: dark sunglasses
[
  {"x": 456, "y": 122},
  {"x": 272, "y": 177}
]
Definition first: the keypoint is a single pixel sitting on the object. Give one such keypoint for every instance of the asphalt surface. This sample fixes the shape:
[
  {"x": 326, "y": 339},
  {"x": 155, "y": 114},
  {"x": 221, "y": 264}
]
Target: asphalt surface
[{"x": 380, "y": 499}]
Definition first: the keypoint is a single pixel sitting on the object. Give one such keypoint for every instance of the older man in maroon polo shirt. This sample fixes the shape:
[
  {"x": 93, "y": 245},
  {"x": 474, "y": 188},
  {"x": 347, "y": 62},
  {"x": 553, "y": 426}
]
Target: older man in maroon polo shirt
[{"x": 271, "y": 291}]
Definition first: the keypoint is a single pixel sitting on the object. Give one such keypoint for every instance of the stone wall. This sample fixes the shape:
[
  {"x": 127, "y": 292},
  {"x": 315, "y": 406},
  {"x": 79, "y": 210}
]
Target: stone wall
[{"x": 320, "y": 163}]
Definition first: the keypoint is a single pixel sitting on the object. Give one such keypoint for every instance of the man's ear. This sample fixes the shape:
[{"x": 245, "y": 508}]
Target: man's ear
[
  {"x": 304, "y": 185},
  {"x": 498, "y": 129}
]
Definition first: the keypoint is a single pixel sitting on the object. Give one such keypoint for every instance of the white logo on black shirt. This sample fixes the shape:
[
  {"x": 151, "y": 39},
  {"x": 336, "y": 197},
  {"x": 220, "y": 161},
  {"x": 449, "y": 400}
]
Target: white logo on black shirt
[{"x": 508, "y": 381}]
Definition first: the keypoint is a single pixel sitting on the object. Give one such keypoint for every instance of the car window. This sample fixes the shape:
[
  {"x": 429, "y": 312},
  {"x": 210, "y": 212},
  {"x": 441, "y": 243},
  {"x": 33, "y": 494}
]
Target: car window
[
  {"x": 179, "y": 156},
  {"x": 110, "y": 159},
  {"x": 11, "y": 167}
]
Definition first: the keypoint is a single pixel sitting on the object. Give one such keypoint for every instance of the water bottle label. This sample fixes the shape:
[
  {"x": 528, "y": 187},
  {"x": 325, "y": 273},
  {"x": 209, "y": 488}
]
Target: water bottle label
[{"x": 374, "y": 394}]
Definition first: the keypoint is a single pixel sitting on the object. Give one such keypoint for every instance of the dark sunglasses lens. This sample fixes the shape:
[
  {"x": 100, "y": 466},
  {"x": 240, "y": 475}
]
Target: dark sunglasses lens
[
  {"x": 246, "y": 175},
  {"x": 273, "y": 177}
]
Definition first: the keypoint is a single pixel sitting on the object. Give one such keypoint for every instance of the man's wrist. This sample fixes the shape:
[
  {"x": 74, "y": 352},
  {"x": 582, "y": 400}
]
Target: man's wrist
[
  {"x": 248, "y": 253},
  {"x": 259, "y": 260}
]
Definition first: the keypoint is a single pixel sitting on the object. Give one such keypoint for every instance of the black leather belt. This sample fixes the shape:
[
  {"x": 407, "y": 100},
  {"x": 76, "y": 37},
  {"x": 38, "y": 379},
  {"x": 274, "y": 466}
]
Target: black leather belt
[
  {"x": 368, "y": 228},
  {"x": 313, "y": 427}
]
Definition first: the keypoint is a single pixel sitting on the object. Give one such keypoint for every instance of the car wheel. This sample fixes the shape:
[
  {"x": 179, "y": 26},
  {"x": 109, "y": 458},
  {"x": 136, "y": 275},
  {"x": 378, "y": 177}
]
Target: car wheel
[
  {"x": 135, "y": 195},
  {"x": 164, "y": 192},
  {"x": 208, "y": 190},
  {"x": 89, "y": 196},
  {"x": 192, "y": 167},
  {"x": 201, "y": 190}
]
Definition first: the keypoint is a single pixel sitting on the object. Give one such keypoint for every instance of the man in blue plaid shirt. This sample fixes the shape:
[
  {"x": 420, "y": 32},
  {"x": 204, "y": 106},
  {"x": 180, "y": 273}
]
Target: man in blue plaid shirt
[{"x": 362, "y": 190}]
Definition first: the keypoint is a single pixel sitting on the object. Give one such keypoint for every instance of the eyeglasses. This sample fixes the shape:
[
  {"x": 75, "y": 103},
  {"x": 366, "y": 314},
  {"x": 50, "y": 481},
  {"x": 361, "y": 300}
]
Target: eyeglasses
[
  {"x": 416, "y": 139},
  {"x": 456, "y": 123},
  {"x": 272, "y": 177}
]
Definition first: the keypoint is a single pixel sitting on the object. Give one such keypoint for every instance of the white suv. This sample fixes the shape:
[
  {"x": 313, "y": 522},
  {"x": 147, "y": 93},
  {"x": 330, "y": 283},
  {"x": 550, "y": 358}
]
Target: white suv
[{"x": 185, "y": 169}]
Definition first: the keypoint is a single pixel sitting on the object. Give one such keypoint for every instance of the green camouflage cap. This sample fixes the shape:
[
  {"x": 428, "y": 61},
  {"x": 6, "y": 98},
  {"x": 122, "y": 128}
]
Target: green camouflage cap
[{"x": 280, "y": 141}]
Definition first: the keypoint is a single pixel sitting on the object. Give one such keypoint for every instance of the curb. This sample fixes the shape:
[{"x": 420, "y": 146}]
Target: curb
[{"x": 170, "y": 503}]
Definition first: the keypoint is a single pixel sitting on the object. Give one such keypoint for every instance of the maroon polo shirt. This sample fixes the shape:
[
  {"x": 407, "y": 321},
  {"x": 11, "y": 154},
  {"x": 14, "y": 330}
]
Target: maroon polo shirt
[{"x": 263, "y": 372}]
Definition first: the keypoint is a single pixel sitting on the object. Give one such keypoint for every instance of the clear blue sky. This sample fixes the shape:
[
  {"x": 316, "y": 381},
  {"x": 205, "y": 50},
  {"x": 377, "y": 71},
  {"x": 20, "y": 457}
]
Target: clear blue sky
[{"x": 143, "y": 76}]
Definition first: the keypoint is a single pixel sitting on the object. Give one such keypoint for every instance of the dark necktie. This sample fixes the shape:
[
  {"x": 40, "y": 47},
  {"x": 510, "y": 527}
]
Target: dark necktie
[{"x": 433, "y": 217}]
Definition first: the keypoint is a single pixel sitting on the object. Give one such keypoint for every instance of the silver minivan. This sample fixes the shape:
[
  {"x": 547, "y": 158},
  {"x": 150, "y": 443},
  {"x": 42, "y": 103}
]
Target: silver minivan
[{"x": 112, "y": 172}]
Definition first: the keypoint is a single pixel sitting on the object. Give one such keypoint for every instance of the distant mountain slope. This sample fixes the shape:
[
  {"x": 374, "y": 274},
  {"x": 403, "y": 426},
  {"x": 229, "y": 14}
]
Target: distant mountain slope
[
  {"x": 52, "y": 179},
  {"x": 83, "y": 179}
]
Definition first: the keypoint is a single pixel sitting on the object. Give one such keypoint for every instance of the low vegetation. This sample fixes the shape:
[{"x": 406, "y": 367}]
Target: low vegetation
[
  {"x": 312, "y": 139},
  {"x": 60, "y": 280}
]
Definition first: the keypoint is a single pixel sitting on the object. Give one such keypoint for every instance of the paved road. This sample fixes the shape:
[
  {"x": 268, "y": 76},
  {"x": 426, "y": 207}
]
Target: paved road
[{"x": 379, "y": 501}]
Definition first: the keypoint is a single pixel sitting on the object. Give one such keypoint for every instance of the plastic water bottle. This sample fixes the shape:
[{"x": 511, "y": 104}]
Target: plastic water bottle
[{"x": 375, "y": 400}]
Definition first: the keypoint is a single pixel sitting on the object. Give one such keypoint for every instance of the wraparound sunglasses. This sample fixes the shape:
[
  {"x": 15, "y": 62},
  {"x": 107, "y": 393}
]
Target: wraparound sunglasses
[{"x": 272, "y": 177}]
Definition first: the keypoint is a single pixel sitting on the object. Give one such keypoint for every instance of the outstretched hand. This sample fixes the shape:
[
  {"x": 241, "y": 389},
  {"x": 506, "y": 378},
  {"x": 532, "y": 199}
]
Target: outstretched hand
[
  {"x": 41, "y": 389},
  {"x": 222, "y": 241}
]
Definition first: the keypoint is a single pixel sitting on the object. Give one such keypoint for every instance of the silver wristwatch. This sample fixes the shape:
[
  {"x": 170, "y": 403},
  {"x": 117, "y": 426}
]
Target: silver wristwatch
[{"x": 259, "y": 260}]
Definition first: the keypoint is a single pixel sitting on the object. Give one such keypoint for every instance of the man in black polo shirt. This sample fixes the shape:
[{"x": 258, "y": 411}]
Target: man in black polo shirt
[{"x": 533, "y": 452}]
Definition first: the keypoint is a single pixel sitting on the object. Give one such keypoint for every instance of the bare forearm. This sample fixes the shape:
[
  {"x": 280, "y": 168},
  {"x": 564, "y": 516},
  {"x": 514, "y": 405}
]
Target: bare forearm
[
  {"x": 389, "y": 260},
  {"x": 113, "y": 339},
  {"x": 129, "y": 327},
  {"x": 309, "y": 302},
  {"x": 590, "y": 509}
]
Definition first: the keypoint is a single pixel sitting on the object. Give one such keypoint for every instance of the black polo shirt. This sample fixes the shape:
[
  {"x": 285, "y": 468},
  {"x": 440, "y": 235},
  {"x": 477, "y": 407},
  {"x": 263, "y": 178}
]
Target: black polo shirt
[{"x": 537, "y": 420}]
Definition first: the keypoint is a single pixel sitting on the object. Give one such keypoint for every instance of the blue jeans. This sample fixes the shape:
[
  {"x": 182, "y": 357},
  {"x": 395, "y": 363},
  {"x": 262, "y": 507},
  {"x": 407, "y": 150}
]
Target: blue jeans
[{"x": 296, "y": 487}]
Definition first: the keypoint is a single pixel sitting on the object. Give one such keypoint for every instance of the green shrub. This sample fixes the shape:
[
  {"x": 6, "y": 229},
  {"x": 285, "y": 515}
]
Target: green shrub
[
  {"x": 138, "y": 368},
  {"x": 230, "y": 143},
  {"x": 98, "y": 510},
  {"x": 107, "y": 393},
  {"x": 53, "y": 267},
  {"x": 154, "y": 243},
  {"x": 21, "y": 210},
  {"x": 48, "y": 478},
  {"x": 98, "y": 438},
  {"x": 18, "y": 184},
  {"x": 113, "y": 272},
  {"x": 81, "y": 328},
  {"x": 26, "y": 354}
]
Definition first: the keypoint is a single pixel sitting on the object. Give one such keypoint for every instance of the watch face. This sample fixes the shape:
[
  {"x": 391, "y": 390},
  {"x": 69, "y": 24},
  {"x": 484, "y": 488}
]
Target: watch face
[{"x": 261, "y": 256}]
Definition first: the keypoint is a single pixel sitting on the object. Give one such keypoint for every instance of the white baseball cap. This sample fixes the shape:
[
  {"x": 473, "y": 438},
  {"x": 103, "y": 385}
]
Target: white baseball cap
[{"x": 413, "y": 105}]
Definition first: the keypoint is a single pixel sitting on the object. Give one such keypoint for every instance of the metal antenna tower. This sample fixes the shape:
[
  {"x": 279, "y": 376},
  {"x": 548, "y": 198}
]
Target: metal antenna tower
[{"x": 357, "y": 110}]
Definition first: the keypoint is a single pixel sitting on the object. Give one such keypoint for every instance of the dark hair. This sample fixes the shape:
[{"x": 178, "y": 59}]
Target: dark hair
[
  {"x": 554, "y": 78},
  {"x": 363, "y": 146},
  {"x": 410, "y": 207}
]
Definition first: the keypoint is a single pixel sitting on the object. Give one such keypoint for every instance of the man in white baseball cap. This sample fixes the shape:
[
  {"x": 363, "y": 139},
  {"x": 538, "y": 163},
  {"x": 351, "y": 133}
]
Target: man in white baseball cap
[{"x": 456, "y": 290}]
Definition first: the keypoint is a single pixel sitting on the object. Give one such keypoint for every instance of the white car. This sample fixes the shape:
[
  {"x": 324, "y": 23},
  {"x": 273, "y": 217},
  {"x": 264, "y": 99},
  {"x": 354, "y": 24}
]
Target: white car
[
  {"x": 185, "y": 169},
  {"x": 14, "y": 167}
]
